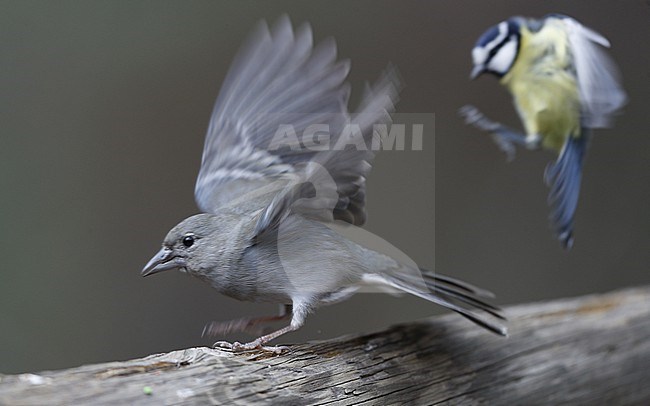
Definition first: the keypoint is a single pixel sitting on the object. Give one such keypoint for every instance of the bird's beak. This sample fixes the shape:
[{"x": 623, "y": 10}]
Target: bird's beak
[
  {"x": 163, "y": 261},
  {"x": 476, "y": 72}
]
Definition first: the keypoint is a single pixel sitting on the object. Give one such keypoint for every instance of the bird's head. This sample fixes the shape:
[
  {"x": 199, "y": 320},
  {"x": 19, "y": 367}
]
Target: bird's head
[
  {"x": 497, "y": 49},
  {"x": 186, "y": 247}
]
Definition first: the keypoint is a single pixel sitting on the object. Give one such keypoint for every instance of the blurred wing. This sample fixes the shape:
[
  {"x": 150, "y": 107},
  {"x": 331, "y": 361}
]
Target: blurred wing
[
  {"x": 277, "y": 78},
  {"x": 278, "y": 87},
  {"x": 599, "y": 80},
  {"x": 349, "y": 161},
  {"x": 331, "y": 186}
]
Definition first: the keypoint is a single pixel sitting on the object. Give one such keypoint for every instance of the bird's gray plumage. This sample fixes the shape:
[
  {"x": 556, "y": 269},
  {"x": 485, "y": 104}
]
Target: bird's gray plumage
[
  {"x": 280, "y": 78},
  {"x": 268, "y": 232}
]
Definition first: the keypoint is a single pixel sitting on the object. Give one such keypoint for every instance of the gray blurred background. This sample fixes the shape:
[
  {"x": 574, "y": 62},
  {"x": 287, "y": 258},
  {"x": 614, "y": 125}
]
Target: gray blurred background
[{"x": 104, "y": 106}]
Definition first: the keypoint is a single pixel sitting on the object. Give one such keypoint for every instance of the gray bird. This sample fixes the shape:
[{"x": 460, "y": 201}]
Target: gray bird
[{"x": 282, "y": 187}]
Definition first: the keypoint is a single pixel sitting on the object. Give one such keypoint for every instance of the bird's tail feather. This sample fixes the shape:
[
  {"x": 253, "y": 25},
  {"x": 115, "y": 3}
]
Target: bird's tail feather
[
  {"x": 563, "y": 178},
  {"x": 456, "y": 295}
]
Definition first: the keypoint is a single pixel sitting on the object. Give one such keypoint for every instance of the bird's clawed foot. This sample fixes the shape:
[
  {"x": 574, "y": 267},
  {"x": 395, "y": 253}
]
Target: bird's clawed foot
[
  {"x": 505, "y": 138},
  {"x": 474, "y": 117},
  {"x": 253, "y": 346}
]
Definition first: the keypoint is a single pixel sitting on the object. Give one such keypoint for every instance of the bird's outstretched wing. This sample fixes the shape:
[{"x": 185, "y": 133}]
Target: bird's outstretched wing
[
  {"x": 601, "y": 93},
  {"x": 331, "y": 185},
  {"x": 280, "y": 88}
]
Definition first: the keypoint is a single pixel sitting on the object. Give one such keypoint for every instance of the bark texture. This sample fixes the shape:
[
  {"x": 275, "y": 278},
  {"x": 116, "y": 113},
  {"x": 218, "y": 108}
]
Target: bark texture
[{"x": 588, "y": 350}]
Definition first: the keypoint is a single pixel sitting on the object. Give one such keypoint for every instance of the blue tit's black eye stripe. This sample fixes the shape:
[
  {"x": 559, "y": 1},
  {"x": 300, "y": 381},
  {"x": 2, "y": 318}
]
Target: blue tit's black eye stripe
[
  {"x": 514, "y": 37},
  {"x": 512, "y": 33},
  {"x": 487, "y": 40}
]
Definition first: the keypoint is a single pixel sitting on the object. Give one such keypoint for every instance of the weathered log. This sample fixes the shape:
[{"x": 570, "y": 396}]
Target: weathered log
[{"x": 586, "y": 350}]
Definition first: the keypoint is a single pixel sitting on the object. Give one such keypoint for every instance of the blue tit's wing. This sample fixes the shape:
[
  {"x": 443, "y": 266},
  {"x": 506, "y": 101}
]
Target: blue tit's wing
[
  {"x": 277, "y": 87},
  {"x": 563, "y": 177},
  {"x": 599, "y": 82}
]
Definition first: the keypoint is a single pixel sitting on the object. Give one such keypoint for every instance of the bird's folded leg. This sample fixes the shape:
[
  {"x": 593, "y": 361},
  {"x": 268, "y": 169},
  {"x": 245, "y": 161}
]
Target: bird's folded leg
[
  {"x": 247, "y": 325},
  {"x": 505, "y": 137}
]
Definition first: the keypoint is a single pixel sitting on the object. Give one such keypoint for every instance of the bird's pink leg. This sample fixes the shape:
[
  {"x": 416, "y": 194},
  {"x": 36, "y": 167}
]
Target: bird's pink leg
[{"x": 248, "y": 325}]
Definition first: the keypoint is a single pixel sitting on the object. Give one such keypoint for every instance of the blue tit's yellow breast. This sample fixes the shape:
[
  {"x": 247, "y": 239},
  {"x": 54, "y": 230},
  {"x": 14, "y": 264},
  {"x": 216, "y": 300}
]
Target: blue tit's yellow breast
[{"x": 542, "y": 82}]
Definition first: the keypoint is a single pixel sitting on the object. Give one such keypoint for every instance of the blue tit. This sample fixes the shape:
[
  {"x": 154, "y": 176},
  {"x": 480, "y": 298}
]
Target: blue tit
[{"x": 563, "y": 85}]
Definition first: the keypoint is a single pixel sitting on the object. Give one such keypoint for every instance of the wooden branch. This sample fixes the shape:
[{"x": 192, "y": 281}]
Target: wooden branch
[{"x": 592, "y": 349}]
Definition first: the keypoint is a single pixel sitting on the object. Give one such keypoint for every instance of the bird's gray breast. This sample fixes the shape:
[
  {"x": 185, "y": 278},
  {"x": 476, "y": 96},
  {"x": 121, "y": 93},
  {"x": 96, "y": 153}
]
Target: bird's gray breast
[
  {"x": 260, "y": 275},
  {"x": 300, "y": 259}
]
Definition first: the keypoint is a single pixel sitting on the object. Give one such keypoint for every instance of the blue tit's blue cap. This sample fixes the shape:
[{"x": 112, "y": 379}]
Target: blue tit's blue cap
[
  {"x": 488, "y": 36},
  {"x": 499, "y": 33}
]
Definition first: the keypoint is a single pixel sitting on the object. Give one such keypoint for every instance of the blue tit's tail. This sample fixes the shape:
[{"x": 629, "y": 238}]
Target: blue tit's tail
[{"x": 563, "y": 177}]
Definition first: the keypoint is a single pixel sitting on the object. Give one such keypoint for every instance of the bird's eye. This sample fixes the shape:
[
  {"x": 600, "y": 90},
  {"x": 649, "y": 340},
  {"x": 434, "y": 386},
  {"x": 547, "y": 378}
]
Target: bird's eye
[{"x": 188, "y": 240}]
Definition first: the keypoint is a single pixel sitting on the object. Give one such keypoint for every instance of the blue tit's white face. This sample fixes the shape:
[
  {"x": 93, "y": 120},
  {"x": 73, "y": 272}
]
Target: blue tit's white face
[{"x": 496, "y": 50}]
